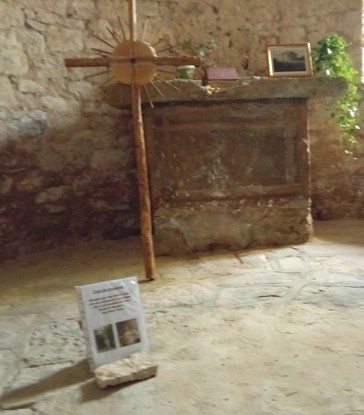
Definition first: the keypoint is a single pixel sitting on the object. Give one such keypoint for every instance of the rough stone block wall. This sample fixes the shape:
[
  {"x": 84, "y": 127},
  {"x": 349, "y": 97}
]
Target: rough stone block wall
[{"x": 67, "y": 164}]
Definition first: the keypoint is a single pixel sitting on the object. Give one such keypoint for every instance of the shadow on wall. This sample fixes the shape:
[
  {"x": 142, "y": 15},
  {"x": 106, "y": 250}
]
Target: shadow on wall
[
  {"x": 344, "y": 231},
  {"x": 66, "y": 184}
]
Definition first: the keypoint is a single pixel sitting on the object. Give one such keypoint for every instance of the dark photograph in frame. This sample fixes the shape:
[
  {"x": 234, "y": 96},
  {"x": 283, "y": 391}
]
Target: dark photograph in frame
[{"x": 289, "y": 60}]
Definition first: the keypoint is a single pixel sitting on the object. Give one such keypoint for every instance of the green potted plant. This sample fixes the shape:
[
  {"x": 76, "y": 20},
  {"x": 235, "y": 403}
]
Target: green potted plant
[
  {"x": 200, "y": 50},
  {"x": 330, "y": 58}
]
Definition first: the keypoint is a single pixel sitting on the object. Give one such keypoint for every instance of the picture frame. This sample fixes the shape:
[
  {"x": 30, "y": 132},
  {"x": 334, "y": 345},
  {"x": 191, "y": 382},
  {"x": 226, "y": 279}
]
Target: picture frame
[{"x": 289, "y": 60}]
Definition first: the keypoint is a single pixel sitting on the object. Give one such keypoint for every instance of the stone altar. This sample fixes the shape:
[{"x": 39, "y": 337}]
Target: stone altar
[{"x": 230, "y": 168}]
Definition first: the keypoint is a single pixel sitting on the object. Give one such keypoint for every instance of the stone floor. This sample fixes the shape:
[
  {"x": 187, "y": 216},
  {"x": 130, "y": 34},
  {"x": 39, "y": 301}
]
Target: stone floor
[{"x": 275, "y": 331}]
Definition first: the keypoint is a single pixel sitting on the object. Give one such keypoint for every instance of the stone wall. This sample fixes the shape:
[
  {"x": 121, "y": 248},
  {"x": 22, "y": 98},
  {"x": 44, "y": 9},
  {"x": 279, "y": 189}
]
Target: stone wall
[{"x": 67, "y": 159}]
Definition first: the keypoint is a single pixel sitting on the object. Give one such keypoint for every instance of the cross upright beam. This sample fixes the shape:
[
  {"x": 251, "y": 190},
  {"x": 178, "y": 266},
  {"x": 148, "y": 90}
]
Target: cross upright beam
[{"x": 141, "y": 155}]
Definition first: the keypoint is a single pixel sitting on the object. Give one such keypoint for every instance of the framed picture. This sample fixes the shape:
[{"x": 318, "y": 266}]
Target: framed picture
[{"x": 289, "y": 60}]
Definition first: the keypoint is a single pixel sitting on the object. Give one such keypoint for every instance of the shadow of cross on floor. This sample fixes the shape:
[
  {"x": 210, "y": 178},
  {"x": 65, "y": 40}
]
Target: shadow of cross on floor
[
  {"x": 49, "y": 380},
  {"x": 75, "y": 375}
]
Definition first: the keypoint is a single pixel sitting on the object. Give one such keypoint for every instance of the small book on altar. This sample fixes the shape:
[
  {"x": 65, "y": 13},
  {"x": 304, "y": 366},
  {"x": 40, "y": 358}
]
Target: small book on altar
[
  {"x": 112, "y": 320},
  {"x": 221, "y": 74},
  {"x": 221, "y": 77}
]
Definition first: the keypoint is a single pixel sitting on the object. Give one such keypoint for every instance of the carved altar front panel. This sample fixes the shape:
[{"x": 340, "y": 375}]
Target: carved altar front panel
[{"x": 220, "y": 170}]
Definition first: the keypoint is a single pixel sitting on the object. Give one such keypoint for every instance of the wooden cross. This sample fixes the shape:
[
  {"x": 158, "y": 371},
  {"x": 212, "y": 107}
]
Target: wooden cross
[{"x": 134, "y": 62}]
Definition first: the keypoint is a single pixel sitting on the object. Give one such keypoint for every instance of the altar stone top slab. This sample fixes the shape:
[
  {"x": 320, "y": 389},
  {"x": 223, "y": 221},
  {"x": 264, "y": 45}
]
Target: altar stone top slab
[{"x": 249, "y": 88}]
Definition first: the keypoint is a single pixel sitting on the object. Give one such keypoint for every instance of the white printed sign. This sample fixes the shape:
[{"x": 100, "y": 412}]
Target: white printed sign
[{"x": 112, "y": 320}]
